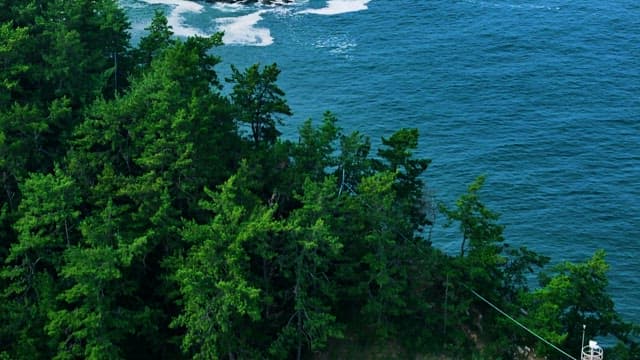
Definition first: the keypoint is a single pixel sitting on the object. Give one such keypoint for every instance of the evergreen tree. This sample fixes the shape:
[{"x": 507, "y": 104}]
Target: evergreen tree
[
  {"x": 221, "y": 302},
  {"x": 158, "y": 39},
  {"x": 46, "y": 228},
  {"x": 55, "y": 58},
  {"x": 314, "y": 154},
  {"x": 397, "y": 154},
  {"x": 112, "y": 247},
  {"x": 575, "y": 294},
  {"x": 306, "y": 261},
  {"x": 488, "y": 266},
  {"x": 12, "y": 40},
  {"x": 353, "y": 161},
  {"x": 143, "y": 160},
  {"x": 259, "y": 101}
]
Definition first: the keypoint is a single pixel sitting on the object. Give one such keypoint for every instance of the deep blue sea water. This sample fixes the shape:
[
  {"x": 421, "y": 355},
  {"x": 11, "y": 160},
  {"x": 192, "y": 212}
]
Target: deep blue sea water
[{"x": 541, "y": 96}]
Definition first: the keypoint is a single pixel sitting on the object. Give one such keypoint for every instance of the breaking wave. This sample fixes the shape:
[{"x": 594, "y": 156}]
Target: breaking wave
[
  {"x": 239, "y": 22},
  {"x": 176, "y": 17},
  {"x": 335, "y": 7},
  {"x": 242, "y": 30}
]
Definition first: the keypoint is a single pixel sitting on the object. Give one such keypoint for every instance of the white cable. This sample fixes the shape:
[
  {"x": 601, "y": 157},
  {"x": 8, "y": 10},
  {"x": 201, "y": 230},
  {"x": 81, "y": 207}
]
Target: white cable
[{"x": 522, "y": 326}]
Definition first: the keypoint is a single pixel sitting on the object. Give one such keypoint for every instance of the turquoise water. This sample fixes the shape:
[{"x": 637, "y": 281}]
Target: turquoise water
[{"x": 542, "y": 96}]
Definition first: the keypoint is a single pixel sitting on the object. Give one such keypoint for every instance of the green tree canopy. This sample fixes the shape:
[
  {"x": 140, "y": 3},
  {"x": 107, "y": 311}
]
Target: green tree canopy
[{"x": 114, "y": 246}]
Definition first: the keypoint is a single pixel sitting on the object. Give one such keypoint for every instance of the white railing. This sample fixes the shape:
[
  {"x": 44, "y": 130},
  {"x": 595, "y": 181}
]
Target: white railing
[{"x": 592, "y": 351}]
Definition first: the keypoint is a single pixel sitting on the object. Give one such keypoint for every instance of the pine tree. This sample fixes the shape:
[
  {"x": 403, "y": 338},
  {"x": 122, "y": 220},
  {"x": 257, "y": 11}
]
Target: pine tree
[
  {"x": 221, "y": 301},
  {"x": 46, "y": 228},
  {"x": 307, "y": 262},
  {"x": 259, "y": 101}
]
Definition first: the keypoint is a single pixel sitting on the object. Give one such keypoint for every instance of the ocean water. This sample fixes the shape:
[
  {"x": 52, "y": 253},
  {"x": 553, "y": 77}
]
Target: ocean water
[{"x": 541, "y": 96}]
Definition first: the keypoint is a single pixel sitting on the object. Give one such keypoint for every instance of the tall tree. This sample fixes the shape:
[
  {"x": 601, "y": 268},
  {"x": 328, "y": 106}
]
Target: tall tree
[
  {"x": 143, "y": 161},
  {"x": 487, "y": 265},
  {"x": 307, "y": 260},
  {"x": 220, "y": 299},
  {"x": 90, "y": 37},
  {"x": 12, "y": 41},
  {"x": 48, "y": 225},
  {"x": 152, "y": 45},
  {"x": 314, "y": 154},
  {"x": 353, "y": 162},
  {"x": 55, "y": 58},
  {"x": 397, "y": 156},
  {"x": 259, "y": 101}
]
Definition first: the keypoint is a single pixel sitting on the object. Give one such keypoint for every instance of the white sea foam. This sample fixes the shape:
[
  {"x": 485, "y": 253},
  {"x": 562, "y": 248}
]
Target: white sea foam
[
  {"x": 228, "y": 7},
  {"x": 242, "y": 30},
  {"x": 234, "y": 7},
  {"x": 176, "y": 18},
  {"x": 335, "y": 7}
]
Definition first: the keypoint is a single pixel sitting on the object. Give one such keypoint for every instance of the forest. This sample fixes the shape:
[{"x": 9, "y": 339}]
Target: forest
[{"x": 150, "y": 209}]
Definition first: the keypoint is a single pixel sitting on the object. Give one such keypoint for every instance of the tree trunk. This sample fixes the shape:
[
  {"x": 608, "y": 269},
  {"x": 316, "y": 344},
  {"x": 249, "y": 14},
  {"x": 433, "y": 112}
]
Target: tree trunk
[{"x": 299, "y": 355}]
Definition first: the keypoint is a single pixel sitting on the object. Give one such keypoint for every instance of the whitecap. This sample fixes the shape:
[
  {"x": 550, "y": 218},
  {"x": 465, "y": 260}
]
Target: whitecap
[
  {"x": 176, "y": 18},
  {"x": 335, "y": 7},
  {"x": 242, "y": 30},
  {"x": 337, "y": 45},
  {"x": 239, "y": 6},
  {"x": 228, "y": 7}
]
